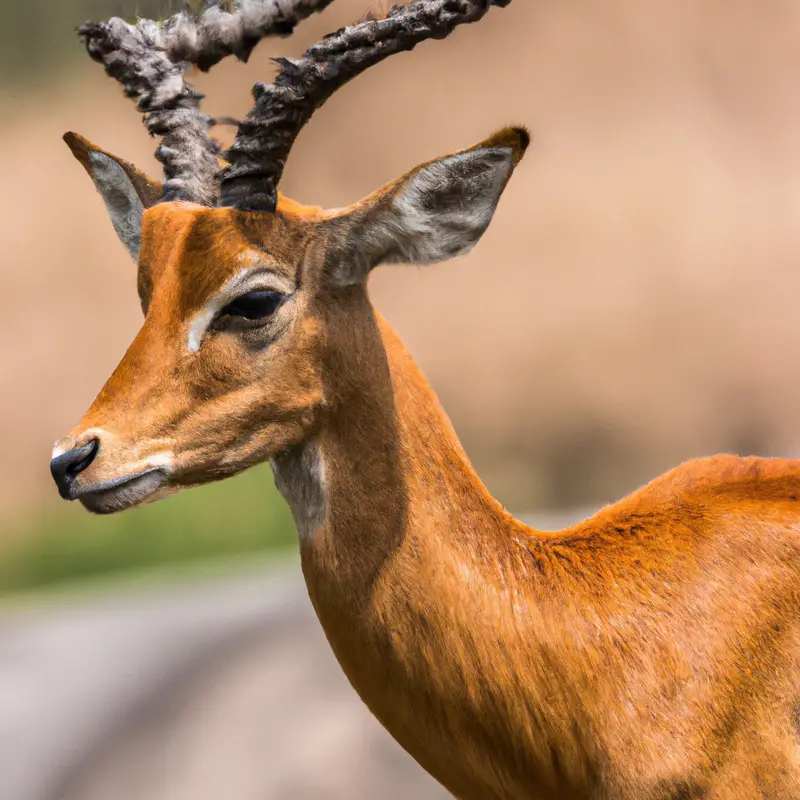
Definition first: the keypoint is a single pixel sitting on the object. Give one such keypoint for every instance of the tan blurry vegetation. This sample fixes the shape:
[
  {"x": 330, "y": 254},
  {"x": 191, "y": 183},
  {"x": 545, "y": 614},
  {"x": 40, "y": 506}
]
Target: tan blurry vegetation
[{"x": 633, "y": 304}]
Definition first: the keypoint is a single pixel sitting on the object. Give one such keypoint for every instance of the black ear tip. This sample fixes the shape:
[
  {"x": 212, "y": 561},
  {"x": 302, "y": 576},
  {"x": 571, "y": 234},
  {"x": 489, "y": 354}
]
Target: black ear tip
[
  {"x": 524, "y": 137},
  {"x": 77, "y": 144}
]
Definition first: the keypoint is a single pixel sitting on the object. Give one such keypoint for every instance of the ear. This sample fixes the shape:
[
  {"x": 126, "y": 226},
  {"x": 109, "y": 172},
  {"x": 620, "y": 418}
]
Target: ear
[
  {"x": 437, "y": 211},
  {"x": 125, "y": 190}
]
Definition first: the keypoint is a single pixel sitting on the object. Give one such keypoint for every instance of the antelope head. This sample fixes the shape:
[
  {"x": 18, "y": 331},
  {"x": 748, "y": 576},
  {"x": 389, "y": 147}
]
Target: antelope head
[{"x": 256, "y": 315}]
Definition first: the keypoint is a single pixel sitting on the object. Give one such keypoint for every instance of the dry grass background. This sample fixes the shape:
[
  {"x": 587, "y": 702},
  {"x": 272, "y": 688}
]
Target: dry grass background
[{"x": 633, "y": 304}]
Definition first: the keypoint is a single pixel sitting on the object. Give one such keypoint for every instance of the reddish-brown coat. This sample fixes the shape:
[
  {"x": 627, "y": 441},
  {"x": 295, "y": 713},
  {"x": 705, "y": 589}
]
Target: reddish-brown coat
[{"x": 648, "y": 653}]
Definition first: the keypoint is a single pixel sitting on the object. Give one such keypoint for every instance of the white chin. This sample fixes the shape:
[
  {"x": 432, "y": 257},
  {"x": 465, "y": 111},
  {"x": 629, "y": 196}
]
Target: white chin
[{"x": 126, "y": 495}]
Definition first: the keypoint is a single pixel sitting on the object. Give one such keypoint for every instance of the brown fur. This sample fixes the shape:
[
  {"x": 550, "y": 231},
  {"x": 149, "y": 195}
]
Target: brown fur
[{"x": 649, "y": 653}]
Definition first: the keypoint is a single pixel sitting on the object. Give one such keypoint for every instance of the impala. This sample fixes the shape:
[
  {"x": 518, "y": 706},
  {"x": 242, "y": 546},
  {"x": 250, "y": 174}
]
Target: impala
[{"x": 650, "y": 652}]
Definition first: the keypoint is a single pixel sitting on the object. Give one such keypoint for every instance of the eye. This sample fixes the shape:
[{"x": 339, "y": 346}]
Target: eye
[{"x": 254, "y": 305}]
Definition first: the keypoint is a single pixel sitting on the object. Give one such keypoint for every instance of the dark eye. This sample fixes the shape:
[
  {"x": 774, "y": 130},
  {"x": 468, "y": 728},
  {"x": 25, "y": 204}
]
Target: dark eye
[{"x": 254, "y": 305}]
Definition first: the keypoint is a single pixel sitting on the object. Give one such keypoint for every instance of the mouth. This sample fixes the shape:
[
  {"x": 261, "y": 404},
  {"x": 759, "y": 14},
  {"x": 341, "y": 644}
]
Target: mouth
[{"x": 120, "y": 493}]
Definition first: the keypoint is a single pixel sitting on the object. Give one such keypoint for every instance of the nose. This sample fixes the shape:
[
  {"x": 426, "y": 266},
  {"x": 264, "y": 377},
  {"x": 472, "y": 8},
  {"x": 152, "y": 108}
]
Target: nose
[{"x": 65, "y": 467}]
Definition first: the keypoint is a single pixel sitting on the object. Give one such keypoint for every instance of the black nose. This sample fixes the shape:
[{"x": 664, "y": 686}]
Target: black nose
[{"x": 65, "y": 467}]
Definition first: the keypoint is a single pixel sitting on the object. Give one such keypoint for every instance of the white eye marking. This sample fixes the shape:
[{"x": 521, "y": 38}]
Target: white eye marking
[
  {"x": 250, "y": 279},
  {"x": 199, "y": 325}
]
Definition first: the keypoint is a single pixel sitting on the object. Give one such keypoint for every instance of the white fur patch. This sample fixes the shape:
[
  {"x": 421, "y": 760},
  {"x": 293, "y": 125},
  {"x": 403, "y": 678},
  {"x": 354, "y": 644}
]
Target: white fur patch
[
  {"x": 300, "y": 478},
  {"x": 63, "y": 445},
  {"x": 163, "y": 460},
  {"x": 199, "y": 325},
  {"x": 124, "y": 206},
  {"x": 58, "y": 451}
]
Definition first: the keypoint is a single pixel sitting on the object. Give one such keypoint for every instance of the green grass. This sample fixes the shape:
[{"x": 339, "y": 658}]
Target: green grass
[{"x": 237, "y": 516}]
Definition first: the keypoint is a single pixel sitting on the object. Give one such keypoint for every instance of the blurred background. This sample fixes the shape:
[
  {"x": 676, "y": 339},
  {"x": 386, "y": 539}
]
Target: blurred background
[{"x": 632, "y": 305}]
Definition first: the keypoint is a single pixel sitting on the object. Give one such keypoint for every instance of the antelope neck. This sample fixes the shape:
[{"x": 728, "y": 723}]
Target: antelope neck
[
  {"x": 386, "y": 471},
  {"x": 411, "y": 565}
]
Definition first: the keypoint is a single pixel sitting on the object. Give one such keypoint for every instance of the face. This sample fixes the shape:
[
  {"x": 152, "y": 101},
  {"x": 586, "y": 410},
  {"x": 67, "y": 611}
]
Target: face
[
  {"x": 224, "y": 371},
  {"x": 255, "y": 322}
]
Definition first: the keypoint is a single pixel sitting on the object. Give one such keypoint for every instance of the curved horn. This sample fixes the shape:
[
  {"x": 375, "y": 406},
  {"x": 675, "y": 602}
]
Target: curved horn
[
  {"x": 266, "y": 135},
  {"x": 149, "y": 59}
]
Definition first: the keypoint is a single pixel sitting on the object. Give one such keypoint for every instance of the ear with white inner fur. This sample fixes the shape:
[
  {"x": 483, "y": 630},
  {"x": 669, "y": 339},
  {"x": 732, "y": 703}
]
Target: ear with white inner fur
[
  {"x": 125, "y": 190},
  {"x": 437, "y": 211}
]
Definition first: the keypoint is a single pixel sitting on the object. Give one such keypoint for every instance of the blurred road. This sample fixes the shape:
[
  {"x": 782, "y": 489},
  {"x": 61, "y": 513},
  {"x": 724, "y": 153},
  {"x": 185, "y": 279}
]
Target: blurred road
[
  {"x": 213, "y": 688},
  {"x": 72, "y": 674}
]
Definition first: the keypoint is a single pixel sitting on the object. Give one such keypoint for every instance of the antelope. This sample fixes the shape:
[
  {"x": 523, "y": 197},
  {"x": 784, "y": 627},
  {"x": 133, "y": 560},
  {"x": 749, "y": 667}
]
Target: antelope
[{"x": 651, "y": 652}]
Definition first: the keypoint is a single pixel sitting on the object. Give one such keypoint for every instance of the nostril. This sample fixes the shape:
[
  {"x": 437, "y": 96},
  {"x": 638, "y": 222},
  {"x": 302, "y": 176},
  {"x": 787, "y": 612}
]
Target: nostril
[
  {"x": 66, "y": 466},
  {"x": 80, "y": 466}
]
